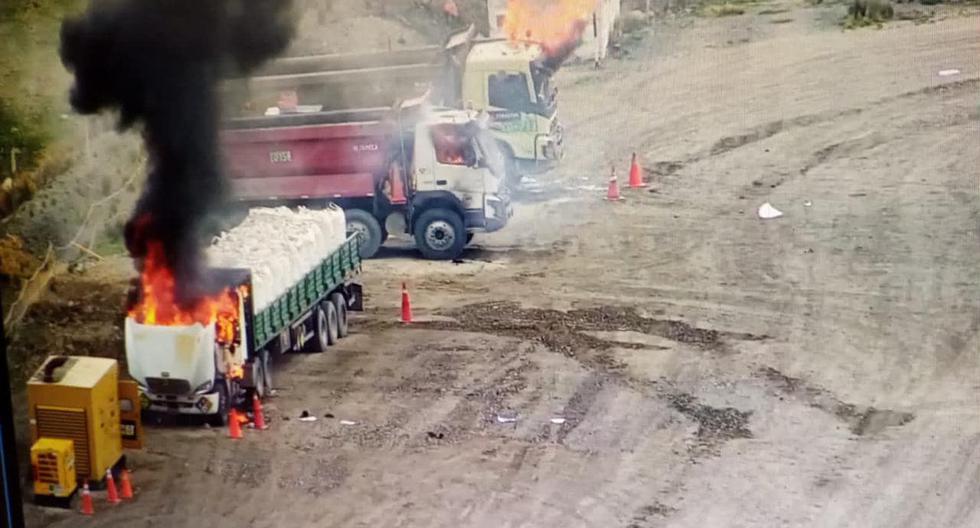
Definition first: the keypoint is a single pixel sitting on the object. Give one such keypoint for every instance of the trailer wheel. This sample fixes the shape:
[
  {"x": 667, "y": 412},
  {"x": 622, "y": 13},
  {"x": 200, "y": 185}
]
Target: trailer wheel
[
  {"x": 261, "y": 375},
  {"x": 340, "y": 302},
  {"x": 221, "y": 418},
  {"x": 321, "y": 331},
  {"x": 333, "y": 321},
  {"x": 366, "y": 225},
  {"x": 439, "y": 234}
]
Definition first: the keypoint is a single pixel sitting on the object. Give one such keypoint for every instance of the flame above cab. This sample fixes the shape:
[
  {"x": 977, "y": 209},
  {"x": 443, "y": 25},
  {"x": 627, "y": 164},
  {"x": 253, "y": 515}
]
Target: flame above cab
[
  {"x": 554, "y": 24},
  {"x": 157, "y": 304}
]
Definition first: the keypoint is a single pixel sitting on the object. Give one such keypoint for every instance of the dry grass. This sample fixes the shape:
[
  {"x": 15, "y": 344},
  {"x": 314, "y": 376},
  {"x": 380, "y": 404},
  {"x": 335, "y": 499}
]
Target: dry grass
[{"x": 721, "y": 10}]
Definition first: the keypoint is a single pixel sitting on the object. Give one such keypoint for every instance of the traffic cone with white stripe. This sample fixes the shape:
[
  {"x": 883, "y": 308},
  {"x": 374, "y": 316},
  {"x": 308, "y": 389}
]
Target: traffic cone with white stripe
[
  {"x": 87, "y": 507},
  {"x": 110, "y": 485},
  {"x": 612, "y": 194}
]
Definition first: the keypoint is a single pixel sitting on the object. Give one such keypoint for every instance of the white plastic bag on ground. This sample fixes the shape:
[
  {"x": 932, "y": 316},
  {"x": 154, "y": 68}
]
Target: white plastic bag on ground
[{"x": 768, "y": 212}]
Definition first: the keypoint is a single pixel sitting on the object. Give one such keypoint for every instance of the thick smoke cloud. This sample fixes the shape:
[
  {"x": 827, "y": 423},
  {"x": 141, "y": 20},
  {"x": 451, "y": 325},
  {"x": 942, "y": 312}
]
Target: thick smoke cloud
[{"x": 157, "y": 63}]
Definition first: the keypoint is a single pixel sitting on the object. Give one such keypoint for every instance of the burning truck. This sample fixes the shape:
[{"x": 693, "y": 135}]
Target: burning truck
[{"x": 284, "y": 283}]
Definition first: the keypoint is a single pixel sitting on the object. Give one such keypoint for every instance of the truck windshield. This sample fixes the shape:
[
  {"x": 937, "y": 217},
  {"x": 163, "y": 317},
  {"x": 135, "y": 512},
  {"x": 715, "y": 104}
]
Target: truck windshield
[{"x": 510, "y": 91}]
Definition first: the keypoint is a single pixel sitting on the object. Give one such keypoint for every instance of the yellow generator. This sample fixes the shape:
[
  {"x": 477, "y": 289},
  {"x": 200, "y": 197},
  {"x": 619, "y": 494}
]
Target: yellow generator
[
  {"x": 77, "y": 399},
  {"x": 53, "y": 460}
]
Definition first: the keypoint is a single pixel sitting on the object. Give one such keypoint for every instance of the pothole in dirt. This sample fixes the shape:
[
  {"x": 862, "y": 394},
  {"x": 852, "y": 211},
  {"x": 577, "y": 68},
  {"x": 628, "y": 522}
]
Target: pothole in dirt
[
  {"x": 873, "y": 421},
  {"x": 515, "y": 254},
  {"x": 663, "y": 168},
  {"x": 861, "y": 420},
  {"x": 714, "y": 423}
]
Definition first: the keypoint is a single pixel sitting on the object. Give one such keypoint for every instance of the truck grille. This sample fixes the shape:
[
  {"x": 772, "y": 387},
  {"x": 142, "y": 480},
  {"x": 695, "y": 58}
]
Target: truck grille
[
  {"x": 46, "y": 470},
  {"x": 168, "y": 386},
  {"x": 67, "y": 424}
]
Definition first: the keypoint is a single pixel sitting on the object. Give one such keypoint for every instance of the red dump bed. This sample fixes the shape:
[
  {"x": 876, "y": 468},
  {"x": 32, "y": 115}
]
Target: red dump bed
[{"x": 306, "y": 156}]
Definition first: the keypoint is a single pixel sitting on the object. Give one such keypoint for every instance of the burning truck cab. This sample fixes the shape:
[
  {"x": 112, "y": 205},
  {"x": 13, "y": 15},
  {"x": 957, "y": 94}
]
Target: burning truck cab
[
  {"x": 191, "y": 360},
  {"x": 272, "y": 295}
]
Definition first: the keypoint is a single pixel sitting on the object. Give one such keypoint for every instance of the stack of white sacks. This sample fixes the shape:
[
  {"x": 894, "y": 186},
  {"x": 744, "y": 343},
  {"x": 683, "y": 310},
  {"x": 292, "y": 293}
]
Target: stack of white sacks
[{"x": 280, "y": 246}]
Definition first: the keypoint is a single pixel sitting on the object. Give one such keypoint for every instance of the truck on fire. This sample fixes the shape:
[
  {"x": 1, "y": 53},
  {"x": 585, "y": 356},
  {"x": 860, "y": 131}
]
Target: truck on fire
[
  {"x": 510, "y": 81},
  {"x": 283, "y": 281},
  {"x": 433, "y": 173}
]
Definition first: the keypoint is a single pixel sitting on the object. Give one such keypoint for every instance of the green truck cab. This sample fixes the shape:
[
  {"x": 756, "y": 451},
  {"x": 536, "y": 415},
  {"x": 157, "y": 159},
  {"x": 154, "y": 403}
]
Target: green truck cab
[{"x": 512, "y": 83}]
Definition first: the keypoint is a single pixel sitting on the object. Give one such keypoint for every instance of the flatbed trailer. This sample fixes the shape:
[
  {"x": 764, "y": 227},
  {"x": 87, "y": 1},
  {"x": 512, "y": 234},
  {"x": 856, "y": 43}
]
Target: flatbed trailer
[{"x": 185, "y": 370}]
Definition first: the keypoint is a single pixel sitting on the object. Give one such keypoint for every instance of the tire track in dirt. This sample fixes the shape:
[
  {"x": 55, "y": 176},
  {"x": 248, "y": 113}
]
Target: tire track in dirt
[
  {"x": 861, "y": 420},
  {"x": 564, "y": 332},
  {"x": 767, "y": 130}
]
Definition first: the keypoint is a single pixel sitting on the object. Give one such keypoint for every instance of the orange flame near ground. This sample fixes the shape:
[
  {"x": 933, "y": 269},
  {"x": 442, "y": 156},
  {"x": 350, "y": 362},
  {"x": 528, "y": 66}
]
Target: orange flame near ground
[
  {"x": 552, "y": 23},
  {"x": 158, "y": 304}
]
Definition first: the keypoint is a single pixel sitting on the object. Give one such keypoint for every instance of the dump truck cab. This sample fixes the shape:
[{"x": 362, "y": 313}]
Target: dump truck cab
[
  {"x": 512, "y": 82},
  {"x": 457, "y": 182}
]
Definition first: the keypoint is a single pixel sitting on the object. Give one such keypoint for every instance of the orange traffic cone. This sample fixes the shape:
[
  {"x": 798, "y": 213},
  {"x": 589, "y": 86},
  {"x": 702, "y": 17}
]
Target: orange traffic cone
[
  {"x": 613, "y": 193},
  {"x": 87, "y": 508},
  {"x": 234, "y": 425},
  {"x": 257, "y": 415},
  {"x": 636, "y": 175},
  {"x": 110, "y": 485},
  {"x": 406, "y": 305},
  {"x": 125, "y": 486},
  {"x": 397, "y": 186}
]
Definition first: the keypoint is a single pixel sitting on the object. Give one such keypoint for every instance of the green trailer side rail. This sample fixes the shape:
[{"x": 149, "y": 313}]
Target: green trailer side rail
[{"x": 333, "y": 271}]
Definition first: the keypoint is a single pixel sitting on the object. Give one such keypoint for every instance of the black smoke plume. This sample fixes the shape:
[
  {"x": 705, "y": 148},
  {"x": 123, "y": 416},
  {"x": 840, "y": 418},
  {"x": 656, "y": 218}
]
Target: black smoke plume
[{"x": 157, "y": 62}]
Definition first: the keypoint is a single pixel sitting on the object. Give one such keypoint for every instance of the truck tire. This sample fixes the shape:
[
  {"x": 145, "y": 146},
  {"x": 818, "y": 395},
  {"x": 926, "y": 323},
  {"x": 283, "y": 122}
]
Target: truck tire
[
  {"x": 366, "y": 225},
  {"x": 221, "y": 418},
  {"x": 261, "y": 375},
  {"x": 514, "y": 176},
  {"x": 321, "y": 331},
  {"x": 332, "y": 321},
  {"x": 340, "y": 303},
  {"x": 469, "y": 238},
  {"x": 439, "y": 234}
]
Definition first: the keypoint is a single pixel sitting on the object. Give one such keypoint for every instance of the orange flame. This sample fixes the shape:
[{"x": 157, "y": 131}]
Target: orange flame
[
  {"x": 552, "y": 23},
  {"x": 158, "y": 305},
  {"x": 452, "y": 146}
]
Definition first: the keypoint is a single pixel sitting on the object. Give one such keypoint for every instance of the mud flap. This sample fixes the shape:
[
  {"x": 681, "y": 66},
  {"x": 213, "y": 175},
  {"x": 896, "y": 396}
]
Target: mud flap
[{"x": 355, "y": 297}]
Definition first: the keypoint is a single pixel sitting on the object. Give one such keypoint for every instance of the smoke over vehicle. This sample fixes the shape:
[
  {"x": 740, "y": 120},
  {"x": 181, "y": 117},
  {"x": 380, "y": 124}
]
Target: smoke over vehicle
[{"x": 157, "y": 63}]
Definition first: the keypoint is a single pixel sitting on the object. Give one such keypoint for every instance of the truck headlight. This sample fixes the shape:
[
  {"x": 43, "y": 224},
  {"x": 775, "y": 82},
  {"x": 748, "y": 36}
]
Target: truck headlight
[{"x": 204, "y": 388}]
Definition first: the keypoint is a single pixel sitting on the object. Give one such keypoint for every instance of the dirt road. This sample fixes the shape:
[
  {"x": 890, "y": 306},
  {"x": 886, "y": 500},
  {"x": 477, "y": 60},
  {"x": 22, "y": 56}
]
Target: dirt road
[{"x": 672, "y": 360}]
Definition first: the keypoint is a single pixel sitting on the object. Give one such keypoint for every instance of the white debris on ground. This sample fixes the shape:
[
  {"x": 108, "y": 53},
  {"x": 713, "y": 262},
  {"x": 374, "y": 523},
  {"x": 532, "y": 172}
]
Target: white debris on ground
[
  {"x": 768, "y": 212},
  {"x": 279, "y": 245}
]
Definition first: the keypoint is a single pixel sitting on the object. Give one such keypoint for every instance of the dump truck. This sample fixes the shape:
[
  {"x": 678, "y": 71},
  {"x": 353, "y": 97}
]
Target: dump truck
[
  {"x": 510, "y": 81},
  {"x": 283, "y": 305},
  {"x": 432, "y": 173}
]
